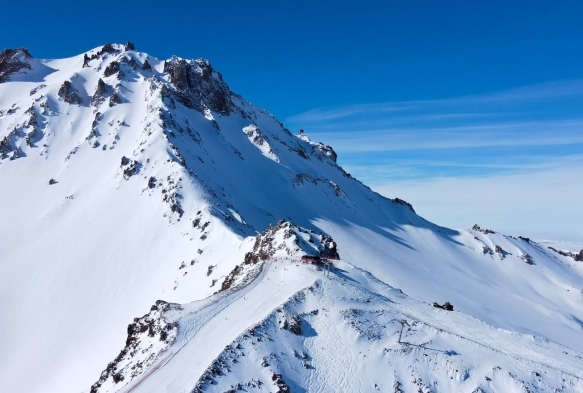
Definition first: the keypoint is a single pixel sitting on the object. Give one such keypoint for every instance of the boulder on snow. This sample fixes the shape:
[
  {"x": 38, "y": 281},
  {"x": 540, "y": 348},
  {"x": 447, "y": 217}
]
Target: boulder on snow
[{"x": 447, "y": 306}]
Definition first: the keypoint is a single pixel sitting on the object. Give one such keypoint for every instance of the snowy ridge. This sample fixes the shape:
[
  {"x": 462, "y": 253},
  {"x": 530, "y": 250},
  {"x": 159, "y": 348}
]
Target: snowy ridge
[
  {"x": 378, "y": 329},
  {"x": 132, "y": 179}
]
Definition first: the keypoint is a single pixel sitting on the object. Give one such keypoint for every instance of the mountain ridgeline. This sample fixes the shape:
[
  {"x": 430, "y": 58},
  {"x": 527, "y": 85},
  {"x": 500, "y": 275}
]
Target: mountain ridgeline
[{"x": 139, "y": 186}]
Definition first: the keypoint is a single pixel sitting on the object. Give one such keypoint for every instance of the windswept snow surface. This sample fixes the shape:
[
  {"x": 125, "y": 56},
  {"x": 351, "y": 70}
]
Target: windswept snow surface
[
  {"x": 352, "y": 333},
  {"x": 131, "y": 180}
]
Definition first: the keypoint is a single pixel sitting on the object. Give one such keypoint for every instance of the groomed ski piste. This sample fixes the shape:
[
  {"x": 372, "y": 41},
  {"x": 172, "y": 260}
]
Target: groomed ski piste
[
  {"x": 347, "y": 332},
  {"x": 144, "y": 190}
]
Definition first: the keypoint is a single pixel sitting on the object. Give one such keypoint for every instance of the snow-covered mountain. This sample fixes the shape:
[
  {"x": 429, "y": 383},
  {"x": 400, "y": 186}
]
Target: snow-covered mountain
[{"x": 135, "y": 187}]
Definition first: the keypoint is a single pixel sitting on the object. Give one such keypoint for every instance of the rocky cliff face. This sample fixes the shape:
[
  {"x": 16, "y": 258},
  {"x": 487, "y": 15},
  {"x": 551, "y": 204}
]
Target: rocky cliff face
[
  {"x": 198, "y": 86},
  {"x": 148, "y": 337}
]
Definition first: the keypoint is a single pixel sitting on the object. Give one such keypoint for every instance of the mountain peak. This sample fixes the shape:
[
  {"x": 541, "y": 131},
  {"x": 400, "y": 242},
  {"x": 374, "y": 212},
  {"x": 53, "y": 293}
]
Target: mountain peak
[
  {"x": 13, "y": 61},
  {"x": 130, "y": 179}
]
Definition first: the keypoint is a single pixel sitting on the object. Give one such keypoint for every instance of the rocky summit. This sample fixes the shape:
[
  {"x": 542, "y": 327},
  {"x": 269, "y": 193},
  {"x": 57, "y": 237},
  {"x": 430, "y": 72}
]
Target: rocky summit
[{"x": 162, "y": 234}]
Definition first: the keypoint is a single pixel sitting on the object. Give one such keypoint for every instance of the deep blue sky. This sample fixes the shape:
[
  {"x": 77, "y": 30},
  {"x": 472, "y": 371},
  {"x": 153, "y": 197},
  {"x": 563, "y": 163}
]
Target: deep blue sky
[
  {"x": 292, "y": 56},
  {"x": 424, "y": 100}
]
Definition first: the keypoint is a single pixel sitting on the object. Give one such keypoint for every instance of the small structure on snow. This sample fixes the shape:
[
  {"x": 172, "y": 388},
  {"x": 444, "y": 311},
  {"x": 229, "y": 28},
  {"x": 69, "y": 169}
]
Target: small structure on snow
[{"x": 311, "y": 259}]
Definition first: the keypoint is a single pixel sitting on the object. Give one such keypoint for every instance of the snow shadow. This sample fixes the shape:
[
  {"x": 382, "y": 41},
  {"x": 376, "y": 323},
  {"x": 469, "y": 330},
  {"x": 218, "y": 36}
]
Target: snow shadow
[
  {"x": 340, "y": 274},
  {"x": 307, "y": 329}
]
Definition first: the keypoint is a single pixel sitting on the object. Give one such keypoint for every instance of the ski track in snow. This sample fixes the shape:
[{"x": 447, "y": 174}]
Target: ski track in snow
[
  {"x": 247, "y": 306},
  {"x": 161, "y": 190}
]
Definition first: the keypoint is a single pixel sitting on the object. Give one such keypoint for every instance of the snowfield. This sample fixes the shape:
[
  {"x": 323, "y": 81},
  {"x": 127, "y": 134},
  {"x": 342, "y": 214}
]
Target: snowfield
[{"x": 148, "y": 209}]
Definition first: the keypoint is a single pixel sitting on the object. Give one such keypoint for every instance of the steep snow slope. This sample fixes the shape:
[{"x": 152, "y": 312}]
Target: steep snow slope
[{"x": 129, "y": 179}]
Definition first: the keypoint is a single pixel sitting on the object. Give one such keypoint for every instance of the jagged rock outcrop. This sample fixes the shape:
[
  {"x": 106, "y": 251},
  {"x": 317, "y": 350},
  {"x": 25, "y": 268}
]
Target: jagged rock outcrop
[
  {"x": 576, "y": 256},
  {"x": 113, "y": 68},
  {"x": 69, "y": 94},
  {"x": 115, "y": 99},
  {"x": 86, "y": 60},
  {"x": 320, "y": 150},
  {"x": 8, "y": 148},
  {"x": 148, "y": 337},
  {"x": 130, "y": 46},
  {"x": 198, "y": 86},
  {"x": 286, "y": 240},
  {"x": 130, "y": 167},
  {"x": 146, "y": 66},
  {"x": 477, "y": 228},
  {"x": 107, "y": 48},
  {"x": 100, "y": 92},
  {"x": 13, "y": 61},
  {"x": 403, "y": 203}
]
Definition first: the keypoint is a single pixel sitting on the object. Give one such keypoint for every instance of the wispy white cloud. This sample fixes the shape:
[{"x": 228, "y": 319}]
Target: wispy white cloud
[
  {"x": 544, "y": 91},
  {"x": 541, "y": 204},
  {"x": 510, "y": 160},
  {"x": 530, "y": 133}
]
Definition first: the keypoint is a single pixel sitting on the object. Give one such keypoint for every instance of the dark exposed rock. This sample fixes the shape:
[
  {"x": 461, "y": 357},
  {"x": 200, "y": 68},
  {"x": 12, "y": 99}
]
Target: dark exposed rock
[
  {"x": 13, "y": 61},
  {"x": 32, "y": 124},
  {"x": 501, "y": 253},
  {"x": 7, "y": 147},
  {"x": 139, "y": 334},
  {"x": 577, "y": 257},
  {"x": 107, "y": 48},
  {"x": 131, "y": 62},
  {"x": 112, "y": 69},
  {"x": 280, "y": 384},
  {"x": 68, "y": 93},
  {"x": 526, "y": 239},
  {"x": 152, "y": 182},
  {"x": 99, "y": 92},
  {"x": 52, "y": 181},
  {"x": 130, "y": 167},
  {"x": 197, "y": 86},
  {"x": 101, "y": 87},
  {"x": 329, "y": 151},
  {"x": 447, "y": 306},
  {"x": 328, "y": 247},
  {"x": 477, "y": 228},
  {"x": 527, "y": 258},
  {"x": 36, "y": 89},
  {"x": 130, "y": 46},
  {"x": 320, "y": 148},
  {"x": 86, "y": 60},
  {"x": 94, "y": 133},
  {"x": 146, "y": 66},
  {"x": 403, "y": 203},
  {"x": 295, "y": 325},
  {"x": 114, "y": 99}
]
